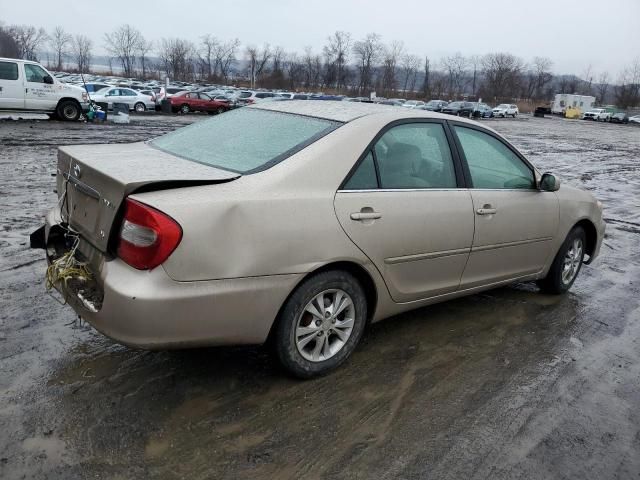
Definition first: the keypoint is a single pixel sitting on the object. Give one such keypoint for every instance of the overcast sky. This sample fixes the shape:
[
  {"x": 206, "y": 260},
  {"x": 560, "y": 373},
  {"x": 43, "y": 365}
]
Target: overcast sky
[{"x": 573, "y": 33}]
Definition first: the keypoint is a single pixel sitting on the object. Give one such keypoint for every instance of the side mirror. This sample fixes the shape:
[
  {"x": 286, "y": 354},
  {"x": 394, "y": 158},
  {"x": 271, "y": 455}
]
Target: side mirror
[
  {"x": 48, "y": 80},
  {"x": 549, "y": 183}
]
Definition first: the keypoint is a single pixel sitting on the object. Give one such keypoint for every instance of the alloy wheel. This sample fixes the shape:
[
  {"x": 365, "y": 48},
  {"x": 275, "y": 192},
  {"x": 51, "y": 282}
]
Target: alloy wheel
[
  {"x": 325, "y": 325},
  {"x": 572, "y": 261}
]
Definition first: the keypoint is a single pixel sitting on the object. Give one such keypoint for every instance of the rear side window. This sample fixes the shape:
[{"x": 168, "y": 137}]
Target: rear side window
[
  {"x": 8, "y": 71},
  {"x": 491, "y": 163},
  {"x": 364, "y": 178},
  {"x": 246, "y": 140}
]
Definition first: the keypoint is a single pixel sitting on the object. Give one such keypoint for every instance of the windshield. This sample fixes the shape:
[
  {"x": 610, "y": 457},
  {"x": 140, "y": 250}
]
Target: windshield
[{"x": 245, "y": 140}]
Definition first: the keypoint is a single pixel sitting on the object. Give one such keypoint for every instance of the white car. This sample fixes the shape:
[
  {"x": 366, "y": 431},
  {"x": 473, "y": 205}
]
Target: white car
[
  {"x": 413, "y": 104},
  {"x": 506, "y": 110},
  {"x": 136, "y": 100},
  {"x": 634, "y": 119},
  {"x": 598, "y": 114},
  {"x": 28, "y": 87}
]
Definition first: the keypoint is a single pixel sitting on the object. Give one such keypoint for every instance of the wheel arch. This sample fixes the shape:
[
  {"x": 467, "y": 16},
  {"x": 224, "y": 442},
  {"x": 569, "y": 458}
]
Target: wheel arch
[
  {"x": 65, "y": 99},
  {"x": 355, "y": 269},
  {"x": 591, "y": 233}
]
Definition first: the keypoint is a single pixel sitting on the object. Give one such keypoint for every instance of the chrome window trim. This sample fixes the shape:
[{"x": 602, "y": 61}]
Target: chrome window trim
[{"x": 370, "y": 190}]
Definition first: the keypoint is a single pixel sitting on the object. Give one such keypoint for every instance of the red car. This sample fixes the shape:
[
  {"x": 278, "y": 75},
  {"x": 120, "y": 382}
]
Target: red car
[{"x": 186, "y": 102}]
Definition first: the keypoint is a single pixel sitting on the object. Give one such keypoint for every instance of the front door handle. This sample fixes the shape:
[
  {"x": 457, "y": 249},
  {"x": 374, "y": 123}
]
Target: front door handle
[{"x": 359, "y": 216}]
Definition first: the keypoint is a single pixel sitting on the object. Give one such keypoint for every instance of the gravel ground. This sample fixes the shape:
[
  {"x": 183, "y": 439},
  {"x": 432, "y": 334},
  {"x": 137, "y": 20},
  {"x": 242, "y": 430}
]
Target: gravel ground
[{"x": 503, "y": 385}]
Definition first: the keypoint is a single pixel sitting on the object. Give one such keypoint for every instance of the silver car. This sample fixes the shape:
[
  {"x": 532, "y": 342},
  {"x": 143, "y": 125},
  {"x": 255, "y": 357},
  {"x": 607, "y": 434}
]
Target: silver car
[
  {"x": 298, "y": 223},
  {"x": 135, "y": 100}
]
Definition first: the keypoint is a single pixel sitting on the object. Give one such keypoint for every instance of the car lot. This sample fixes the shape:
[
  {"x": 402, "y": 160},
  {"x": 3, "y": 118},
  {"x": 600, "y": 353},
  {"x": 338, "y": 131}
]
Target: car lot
[{"x": 506, "y": 384}]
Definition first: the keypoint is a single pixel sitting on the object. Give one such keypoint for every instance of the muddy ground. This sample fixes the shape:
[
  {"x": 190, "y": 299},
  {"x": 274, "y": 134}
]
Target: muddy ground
[{"x": 503, "y": 385}]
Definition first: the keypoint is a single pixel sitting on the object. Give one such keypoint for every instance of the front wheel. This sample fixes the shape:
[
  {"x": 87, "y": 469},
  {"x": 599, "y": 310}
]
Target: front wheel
[
  {"x": 185, "y": 108},
  {"x": 69, "y": 110},
  {"x": 566, "y": 265},
  {"x": 320, "y": 324}
]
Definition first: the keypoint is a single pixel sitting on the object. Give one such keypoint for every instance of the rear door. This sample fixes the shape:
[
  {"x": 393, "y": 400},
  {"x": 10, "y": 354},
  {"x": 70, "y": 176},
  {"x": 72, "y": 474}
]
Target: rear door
[
  {"x": 515, "y": 223},
  {"x": 11, "y": 87},
  {"x": 402, "y": 206},
  {"x": 38, "y": 95}
]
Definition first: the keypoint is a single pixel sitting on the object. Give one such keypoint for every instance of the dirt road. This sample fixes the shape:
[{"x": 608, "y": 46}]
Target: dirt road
[{"x": 503, "y": 385}]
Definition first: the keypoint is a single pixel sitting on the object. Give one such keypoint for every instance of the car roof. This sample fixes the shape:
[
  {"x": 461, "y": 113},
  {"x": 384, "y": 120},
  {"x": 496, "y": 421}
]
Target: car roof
[
  {"x": 5, "y": 59},
  {"x": 334, "y": 110}
]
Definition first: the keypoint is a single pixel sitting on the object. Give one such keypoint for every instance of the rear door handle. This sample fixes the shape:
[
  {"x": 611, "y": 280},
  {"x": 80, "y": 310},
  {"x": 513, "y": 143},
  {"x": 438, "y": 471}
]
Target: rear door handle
[
  {"x": 359, "y": 216},
  {"x": 486, "y": 211}
]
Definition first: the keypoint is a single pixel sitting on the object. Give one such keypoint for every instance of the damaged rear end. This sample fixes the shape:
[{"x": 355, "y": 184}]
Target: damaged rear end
[{"x": 95, "y": 221}]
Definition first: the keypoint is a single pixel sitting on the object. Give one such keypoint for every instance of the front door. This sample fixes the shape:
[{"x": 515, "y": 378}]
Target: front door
[
  {"x": 402, "y": 207},
  {"x": 515, "y": 223},
  {"x": 11, "y": 87},
  {"x": 38, "y": 94}
]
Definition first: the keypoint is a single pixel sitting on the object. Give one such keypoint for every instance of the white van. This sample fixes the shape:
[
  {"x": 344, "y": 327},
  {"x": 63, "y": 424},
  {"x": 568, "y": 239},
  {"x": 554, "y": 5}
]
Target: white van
[{"x": 27, "y": 87}]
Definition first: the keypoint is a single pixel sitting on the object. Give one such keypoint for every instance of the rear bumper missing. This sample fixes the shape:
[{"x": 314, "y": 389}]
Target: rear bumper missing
[{"x": 148, "y": 309}]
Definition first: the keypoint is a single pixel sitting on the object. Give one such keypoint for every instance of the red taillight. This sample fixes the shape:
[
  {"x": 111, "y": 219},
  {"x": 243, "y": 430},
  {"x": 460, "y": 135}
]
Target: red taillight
[{"x": 147, "y": 236}]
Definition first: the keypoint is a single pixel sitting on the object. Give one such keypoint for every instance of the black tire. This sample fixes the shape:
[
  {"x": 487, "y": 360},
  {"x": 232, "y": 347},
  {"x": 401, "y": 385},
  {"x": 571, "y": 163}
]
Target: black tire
[
  {"x": 68, "y": 110},
  {"x": 554, "y": 283},
  {"x": 184, "y": 108},
  {"x": 140, "y": 107},
  {"x": 219, "y": 110},
  {"x": 284, "y": 341}
]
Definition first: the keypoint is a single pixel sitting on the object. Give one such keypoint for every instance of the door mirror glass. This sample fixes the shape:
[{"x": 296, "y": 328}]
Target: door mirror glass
[
  {"x": 48, "y": 80},
  {"x": 549, "y": 183}
]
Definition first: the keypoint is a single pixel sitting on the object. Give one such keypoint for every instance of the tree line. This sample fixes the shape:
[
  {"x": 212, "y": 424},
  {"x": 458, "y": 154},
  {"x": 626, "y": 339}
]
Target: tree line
[{"x": 342, "y": 65}]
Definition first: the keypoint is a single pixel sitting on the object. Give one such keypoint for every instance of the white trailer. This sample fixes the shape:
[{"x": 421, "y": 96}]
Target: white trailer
[{"x": 564, "y": 100}]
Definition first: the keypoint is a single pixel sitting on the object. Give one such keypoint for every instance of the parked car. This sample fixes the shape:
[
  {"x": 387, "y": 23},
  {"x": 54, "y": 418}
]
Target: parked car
[
  {"x": 94, "y": 87},
  {"x": 413, "y": 104},
  {"x": 27, "y": 86},
  {"x": 186, "y": 102},
  {"x": 435, "y": 105},
  {"x": 135, "y": 100},
  {"x": 461, "y": 109},
  {"x": 482, "y": 110},
  {"x": 598, "y": 114},
  {"x": 227, "y": 232},
  {"x": 506, "y": 110},
  {"x": 634, "y": 119},
  {"x": 619, "y": 117}
]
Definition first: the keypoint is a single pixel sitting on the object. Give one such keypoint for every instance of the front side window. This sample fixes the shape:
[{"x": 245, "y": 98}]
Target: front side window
[
  {"x": 492, "y": 164},
  {"x": 35, "y": 73},
  {"x": 415, "y": 155},
  {"x": 8, "y": 71},
  {"x": 246, "y": 140}
]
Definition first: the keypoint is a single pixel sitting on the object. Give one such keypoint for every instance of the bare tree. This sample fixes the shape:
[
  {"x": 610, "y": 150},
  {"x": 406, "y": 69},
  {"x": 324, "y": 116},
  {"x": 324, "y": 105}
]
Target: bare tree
[
  {"x": 627, "y": 91},
  {"x": 207, "y": 58},
  {"x": 60, "y": 42},
  {"x": 476, "y": 62},
  {"x": 426, "y": 84},
  {"x": 177, "y": 58},
  {"x": 542, "y": 68},
  {"x": 258, "y": 62},
  {"x": 367, "y": 53},
  {"x": 587, "y": 80},
  {"x": 391, "y": 56},
  {"x": 28, "y": 39},
  {"x": 337, "y": 56},
  {"x": 455, "y": 67},
  {"x": 143, "y": 48},
  {"x": 81, "y": 47},
  {"x": 225, "y": 56},
  {"x": 603, "y": 87},
  {"x": 8, "y": 46},
  {"x": 123, "y": 44},
  {"x": 502, "y": 75},
  {"x": 409, "y": 67}
]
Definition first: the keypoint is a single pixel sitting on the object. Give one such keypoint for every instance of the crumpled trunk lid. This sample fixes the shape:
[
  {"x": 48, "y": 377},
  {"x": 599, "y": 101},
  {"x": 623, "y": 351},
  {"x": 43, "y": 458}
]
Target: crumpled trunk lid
[{"x": 93, "y": 181}]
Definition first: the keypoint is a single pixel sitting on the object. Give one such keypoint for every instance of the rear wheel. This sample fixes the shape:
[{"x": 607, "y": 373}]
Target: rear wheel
[
  {"x": 185, "y": 108},
  {"x": 321, "y": 324},
  {"x": 219, "y": 110},
  {"x": 69, "y": 110},
  {"x": 139, "y": 107},
  {"x": 566, "y": 265}
]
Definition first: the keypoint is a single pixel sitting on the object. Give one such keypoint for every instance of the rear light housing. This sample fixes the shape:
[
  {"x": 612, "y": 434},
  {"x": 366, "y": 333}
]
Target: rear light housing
[{"x": 147, "y": 236}]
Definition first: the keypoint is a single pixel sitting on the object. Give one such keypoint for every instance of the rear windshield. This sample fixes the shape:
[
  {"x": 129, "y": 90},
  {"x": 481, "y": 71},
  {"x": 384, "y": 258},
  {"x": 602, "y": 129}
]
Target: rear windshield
[{"x": 246, "y": 140}]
